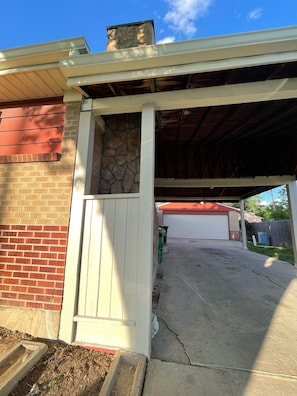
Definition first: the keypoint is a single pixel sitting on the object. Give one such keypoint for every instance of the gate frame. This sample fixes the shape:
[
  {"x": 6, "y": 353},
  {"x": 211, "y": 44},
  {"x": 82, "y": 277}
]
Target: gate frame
[{"x": 81, "y": 186}]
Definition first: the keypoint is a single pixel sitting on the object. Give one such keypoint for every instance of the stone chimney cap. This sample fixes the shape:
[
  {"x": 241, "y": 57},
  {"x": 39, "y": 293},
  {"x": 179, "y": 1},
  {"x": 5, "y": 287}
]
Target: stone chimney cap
[{"x": 131, "y": 24}]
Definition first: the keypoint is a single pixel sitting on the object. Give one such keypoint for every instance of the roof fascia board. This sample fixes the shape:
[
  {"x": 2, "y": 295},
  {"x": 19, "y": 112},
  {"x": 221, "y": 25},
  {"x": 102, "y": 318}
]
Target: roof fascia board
[
  {"x": 42, "y": 53},
  {"x": 200, "y": 97},
  {"x": 166, "y": 71},
  {"x": 262, "y": 181},
  {"x": 183, "y": 52}
]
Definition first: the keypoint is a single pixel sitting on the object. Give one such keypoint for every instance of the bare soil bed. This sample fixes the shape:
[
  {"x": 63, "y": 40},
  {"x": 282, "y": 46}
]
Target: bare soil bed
[{"x": 64, "y": 369}]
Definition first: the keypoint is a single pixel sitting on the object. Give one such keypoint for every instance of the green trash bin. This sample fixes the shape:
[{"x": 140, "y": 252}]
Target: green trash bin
[
  {"x": 165, "y": 228},
  {"x": 161, "y": 238}
]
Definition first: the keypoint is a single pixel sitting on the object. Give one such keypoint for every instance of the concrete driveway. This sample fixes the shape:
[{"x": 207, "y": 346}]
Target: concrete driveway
[{"x": 228, "y": 323}]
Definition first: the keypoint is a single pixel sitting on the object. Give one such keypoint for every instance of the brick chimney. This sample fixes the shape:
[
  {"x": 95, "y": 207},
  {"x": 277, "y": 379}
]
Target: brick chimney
[{"x": 136, "y": 34}]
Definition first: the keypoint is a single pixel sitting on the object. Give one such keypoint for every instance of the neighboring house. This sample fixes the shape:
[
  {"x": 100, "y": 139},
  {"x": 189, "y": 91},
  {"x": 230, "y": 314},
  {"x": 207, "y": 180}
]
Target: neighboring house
[
  {"x": 252, "y": 218},
  {"x": 203, "y": 220},
  {"x": 249, "y": 217},
  {"x": 79, "y": 133}
]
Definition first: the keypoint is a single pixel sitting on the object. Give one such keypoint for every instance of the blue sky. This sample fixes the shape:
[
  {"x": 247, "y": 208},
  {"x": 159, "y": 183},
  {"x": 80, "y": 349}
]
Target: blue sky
[
  {"x": 269, "y": 195},
  {"x": 31, "y": 22}
]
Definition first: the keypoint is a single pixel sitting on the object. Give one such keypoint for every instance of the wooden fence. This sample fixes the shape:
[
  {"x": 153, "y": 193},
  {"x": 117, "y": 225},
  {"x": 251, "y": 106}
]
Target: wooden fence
[{"x": 279, "y": 232}]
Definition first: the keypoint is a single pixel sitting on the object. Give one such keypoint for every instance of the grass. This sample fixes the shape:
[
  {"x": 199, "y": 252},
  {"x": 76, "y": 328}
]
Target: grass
[{"x": 279, "y": 253}]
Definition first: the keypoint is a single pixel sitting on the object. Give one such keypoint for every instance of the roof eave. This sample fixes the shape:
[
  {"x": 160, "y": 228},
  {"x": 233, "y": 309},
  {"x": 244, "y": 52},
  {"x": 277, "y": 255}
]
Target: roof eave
[
  {"x": 274, "y": 41},
  {"x": 42, "y": 54}
]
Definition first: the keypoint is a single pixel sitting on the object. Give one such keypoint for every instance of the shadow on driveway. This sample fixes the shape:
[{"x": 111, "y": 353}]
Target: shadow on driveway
[{"x": 229, "y": 314}]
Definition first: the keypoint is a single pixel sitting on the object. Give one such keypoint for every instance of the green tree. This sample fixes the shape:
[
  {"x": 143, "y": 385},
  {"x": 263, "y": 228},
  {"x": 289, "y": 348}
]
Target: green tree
[
  {"x": 274, "y": 212},
  {"x": 253, "y": 204},
  {"x": 283, "y": 197},
  {"x": 277, "y": 210}
]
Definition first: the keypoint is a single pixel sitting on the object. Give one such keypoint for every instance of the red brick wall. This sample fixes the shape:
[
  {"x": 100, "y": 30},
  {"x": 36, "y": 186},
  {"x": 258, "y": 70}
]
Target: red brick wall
[
  {"x": 32, "y": 265},
  {"x": 35, "y": 199}
]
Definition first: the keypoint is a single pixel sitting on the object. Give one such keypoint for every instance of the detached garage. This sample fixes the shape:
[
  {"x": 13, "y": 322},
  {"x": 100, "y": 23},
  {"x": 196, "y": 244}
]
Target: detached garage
[{"x": 200, "y": 220}]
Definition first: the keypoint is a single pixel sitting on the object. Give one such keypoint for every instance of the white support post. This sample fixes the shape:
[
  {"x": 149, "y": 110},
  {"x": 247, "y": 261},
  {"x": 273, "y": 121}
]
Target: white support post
[
  {"x": 146, "y": 222},
  {"x": 243, "y": 228},
  {"x": 82, "y": 179},
  {"x": 292, "y": 202}
]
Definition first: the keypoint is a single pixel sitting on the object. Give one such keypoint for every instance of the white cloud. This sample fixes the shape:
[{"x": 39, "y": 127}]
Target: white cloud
[
  {"x": 168, "y": 39},
  {"x": 256, "y": 13},
  {"x": 182, "y": 14}
]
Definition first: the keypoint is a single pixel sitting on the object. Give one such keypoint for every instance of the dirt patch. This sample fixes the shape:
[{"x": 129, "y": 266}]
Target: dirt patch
[{"x": 63, "y": 370}]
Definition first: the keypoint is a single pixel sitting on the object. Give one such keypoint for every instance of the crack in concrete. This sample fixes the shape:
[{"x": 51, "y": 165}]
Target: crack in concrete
[
  {"x": 250, "y": 268},
  {"x": 268, "y": 278},
  {"x": 246, "y": 370},
  {"x": 226, "y": 368},
  {"x": 178, "y": 339}
]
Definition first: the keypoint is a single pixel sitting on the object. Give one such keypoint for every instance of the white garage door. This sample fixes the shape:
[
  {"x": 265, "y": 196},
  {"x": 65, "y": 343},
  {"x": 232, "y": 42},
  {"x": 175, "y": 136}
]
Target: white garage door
[{"x": 197, "y": 226}]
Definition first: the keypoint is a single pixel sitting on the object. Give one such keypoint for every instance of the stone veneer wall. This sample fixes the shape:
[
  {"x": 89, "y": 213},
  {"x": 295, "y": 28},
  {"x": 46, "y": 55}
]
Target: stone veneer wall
[{"x": 120, "y": 165}]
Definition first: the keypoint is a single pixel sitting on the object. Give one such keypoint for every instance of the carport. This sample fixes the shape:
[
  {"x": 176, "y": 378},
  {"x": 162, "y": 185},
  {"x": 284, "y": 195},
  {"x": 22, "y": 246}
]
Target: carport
[
  {"x": 224, "y": 111},
  {"x": 210, "y": 119},
  {"x": 227, "y": 323},
  {"x": 218, "y": 120}
]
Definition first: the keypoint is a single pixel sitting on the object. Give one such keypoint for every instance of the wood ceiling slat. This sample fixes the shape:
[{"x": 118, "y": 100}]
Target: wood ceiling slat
[
  {"x": 270, "y": 119},
  {"x": 113, "y": 89},
  {"x": 6, "y": 92},
  {"x": 35, "y": 81},
  {"x": 218, "y": 124},
  {"x": 48, "y": 83},
  {"x": 13, "y": 85},
  {"x": 200, "y": 122},
  {"x": 244, "y": 114},
  {"x": 27, "y": 87},
  {"x": 58, "y": 77}
]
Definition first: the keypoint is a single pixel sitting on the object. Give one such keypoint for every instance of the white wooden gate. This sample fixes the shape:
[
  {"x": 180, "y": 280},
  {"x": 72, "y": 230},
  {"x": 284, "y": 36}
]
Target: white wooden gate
[
  {"x": 107, "y": 297},
  {"x": 106, "y": 309}
]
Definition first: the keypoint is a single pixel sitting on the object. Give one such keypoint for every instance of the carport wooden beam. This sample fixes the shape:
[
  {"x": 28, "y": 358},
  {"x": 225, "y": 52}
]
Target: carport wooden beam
[
  {"x": 269, "y": 181},
  {"x": 175, "y": 70},
  {"x": 160, "y": 198},
  {"x": 200, "y": 97}
]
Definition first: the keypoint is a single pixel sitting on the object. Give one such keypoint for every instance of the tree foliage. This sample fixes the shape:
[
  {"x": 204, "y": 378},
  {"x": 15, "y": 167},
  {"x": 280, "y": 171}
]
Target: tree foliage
[
  {"x": 276, "y": 210},
  {"x": 253, "y": 204}
]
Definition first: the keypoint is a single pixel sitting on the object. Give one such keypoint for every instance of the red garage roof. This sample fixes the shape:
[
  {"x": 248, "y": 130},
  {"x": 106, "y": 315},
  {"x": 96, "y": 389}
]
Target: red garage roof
[{"x": 193, "y": 207}]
